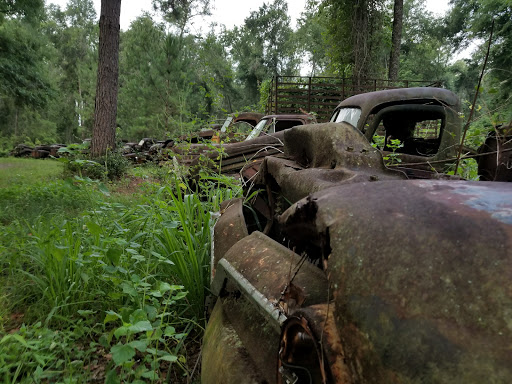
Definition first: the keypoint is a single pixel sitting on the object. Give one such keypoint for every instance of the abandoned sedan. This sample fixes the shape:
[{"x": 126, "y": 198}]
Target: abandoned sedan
[
  {"x": 341, "y": 270},
  {"x": 265, "y": 139}
]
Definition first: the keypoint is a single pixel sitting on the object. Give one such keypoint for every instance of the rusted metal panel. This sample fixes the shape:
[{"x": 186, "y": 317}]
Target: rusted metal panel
[
  {"x": 326, "y": 155},
  {"x": 372, "y": 278},
  {"x": 310, "y": 338},
  {"x": 261, "y": 282},
  {"x": 229, "y": 229},
  {"x": 230, "y": 157},
  {"x": 269, "y": 267},
  {"x": 422, "y": 271},
  {"x": 223, "y": 354}
]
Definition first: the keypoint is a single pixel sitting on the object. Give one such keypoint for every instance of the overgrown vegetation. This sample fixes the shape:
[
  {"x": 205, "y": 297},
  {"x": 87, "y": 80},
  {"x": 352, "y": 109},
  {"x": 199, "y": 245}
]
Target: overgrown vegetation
[
  {"x": 47, "y": 88},
  {"x": 100, "y": 286}
]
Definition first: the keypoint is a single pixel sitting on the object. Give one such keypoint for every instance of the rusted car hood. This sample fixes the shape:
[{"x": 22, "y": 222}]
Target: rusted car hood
[{"x": 420, "y": 272}]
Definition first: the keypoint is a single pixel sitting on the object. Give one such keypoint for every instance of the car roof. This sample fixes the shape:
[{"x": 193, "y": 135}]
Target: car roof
[
  {"x": 368, "y": 101},
  {"x": 289, "y": 116}
]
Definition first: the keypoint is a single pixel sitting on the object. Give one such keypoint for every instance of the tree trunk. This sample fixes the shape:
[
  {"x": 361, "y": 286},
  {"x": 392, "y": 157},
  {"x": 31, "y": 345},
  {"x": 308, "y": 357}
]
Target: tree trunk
[
  {"x": 396, "y": 39},
  {"x": 16, "y": 123},
  {"x": 105, "y": 109}
]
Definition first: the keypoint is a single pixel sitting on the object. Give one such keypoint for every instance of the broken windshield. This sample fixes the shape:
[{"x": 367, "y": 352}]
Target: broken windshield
[
  {"x": 257, "y": 129},
  {"x": 348, "y": 115}
]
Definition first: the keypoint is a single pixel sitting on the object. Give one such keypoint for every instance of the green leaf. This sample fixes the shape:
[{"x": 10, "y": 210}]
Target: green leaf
[
  {"x": 20, "y": 339},
  {"x": 85, "y": 313},
  {"x": 179, "y": 295},
  {"x": 170, "y": 358},
  {"x": 150, "y": 375},
  {"x": 103, "y": 340},
  {"x": 111, "y": 316},
  {"x": 85, "y": 277},
  {"x": 121, "y": 331},
  {"x": 111, "y": 377},
  {"x": 180, "y": 336},
  {"x": 169, "y": 331},
  {"x": 122, "y": 353},
  {"x": 103, "y": 189},
  {"x": 139, "y": 345},
  {"x": 114, "y": 255},
  {"x": 94, "y": 228},
  {"x": 141, "y": 326},
  {"x": 128, "y": 289},
  {"x": 164, "y": 287},
  {"x": 151, "y": 311},
  {"x": 138, "y": 315}
]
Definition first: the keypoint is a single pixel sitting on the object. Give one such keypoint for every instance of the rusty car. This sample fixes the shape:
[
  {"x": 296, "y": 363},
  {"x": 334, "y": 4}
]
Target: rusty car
[
  {"x": 233, "y": 155},
  {"x": 276, "y": 123},
  {"x": 341, "y": 269},
  {"x": 238, "y": 121}
]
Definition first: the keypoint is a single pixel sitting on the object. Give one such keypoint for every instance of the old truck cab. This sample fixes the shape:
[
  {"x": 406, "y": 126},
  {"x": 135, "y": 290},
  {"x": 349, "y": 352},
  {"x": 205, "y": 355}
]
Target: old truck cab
[{"x": 421, "y": 126}]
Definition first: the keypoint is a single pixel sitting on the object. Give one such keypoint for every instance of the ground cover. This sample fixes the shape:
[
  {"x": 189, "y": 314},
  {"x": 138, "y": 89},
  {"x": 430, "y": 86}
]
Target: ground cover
[
  {"x": 104, "y": 283},
  {"x": 27, "y": 171}
]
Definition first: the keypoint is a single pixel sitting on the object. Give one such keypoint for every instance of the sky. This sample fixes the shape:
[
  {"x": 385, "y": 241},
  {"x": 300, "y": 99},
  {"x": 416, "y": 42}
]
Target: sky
[{"x": 227, "y": 12}]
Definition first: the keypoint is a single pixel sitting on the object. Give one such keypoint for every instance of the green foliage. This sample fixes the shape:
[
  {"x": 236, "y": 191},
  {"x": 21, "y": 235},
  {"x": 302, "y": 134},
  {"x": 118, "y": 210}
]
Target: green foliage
[
  {"x": 180, "y": 12},
  {"x": 21, "y": 69},
  {"x": 424, "y": 52},
  {"x": 358, "y": 41},
  {"x": 112, "y": 166},
  {"x": 262, "y": 47},
  {"x": 161, "y": 91},
  {"x": 95, "y": 277},
  {"x": 38, "y": 354},
  {"x": 311, "y": 33},
  {"x": 470, "y": 21},
  {"x": 26, "y": 9}
]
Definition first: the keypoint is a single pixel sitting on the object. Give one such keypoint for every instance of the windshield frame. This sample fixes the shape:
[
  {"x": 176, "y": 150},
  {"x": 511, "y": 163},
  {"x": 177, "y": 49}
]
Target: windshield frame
[{"x": 257, "y": 129}]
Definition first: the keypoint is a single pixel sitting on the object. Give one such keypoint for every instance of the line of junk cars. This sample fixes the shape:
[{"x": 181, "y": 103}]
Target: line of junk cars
[{"x": 358, "y": 260}]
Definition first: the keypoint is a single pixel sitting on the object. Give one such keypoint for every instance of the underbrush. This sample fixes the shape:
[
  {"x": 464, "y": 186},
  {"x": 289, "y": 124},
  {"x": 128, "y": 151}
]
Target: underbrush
[{"x": 98, "y": 288}]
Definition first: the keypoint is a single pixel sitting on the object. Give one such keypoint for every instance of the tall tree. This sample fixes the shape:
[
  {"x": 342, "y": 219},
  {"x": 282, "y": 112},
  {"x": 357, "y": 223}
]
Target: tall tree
[
  {"x": 311, "y": 44},
  {"x": 396, "y": 39},
  {"x": 424, "y": 47},
  {"x": 25, "y": 85},
  {"x": 181, "y": 12},
  {"x": 105, "y": 113},
  {"x": 26, "y": 9},
  {"x": 263, "y": 47},
  {"x": 356, "y": 36},
  {"x": 469, "y": 22},
  {"x": 74, "y": 34}
]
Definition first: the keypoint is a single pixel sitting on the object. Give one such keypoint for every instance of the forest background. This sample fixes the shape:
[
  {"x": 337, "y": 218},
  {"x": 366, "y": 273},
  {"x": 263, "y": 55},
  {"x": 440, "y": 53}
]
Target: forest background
[{"x": 173, "y": 80}]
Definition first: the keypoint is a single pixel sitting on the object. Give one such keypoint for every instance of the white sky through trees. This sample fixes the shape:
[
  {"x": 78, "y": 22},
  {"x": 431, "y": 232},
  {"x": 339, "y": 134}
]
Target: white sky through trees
[{"x": 227, "y": 12}]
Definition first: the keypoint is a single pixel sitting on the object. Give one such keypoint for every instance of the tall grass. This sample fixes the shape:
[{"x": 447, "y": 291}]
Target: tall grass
[{"x": 125, "y": 282}]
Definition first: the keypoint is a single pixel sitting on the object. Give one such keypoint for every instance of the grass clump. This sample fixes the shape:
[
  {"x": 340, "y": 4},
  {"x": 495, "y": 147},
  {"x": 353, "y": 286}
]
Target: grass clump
[{"x": 96, "y": 287}]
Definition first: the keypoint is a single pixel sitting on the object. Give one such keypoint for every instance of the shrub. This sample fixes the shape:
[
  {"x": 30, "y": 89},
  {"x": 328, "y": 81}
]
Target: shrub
[{"x": 112, "y": 166}]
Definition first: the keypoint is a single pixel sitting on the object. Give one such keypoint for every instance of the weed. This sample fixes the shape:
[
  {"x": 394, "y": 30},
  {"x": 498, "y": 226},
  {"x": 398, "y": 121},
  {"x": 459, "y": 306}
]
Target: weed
[
  {"x": 112, "y": 166},
  {"x": 108, "y": 291}
]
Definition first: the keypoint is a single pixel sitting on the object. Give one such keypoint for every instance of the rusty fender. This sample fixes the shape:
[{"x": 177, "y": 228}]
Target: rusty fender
[{"x": 421, "y": 276}]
